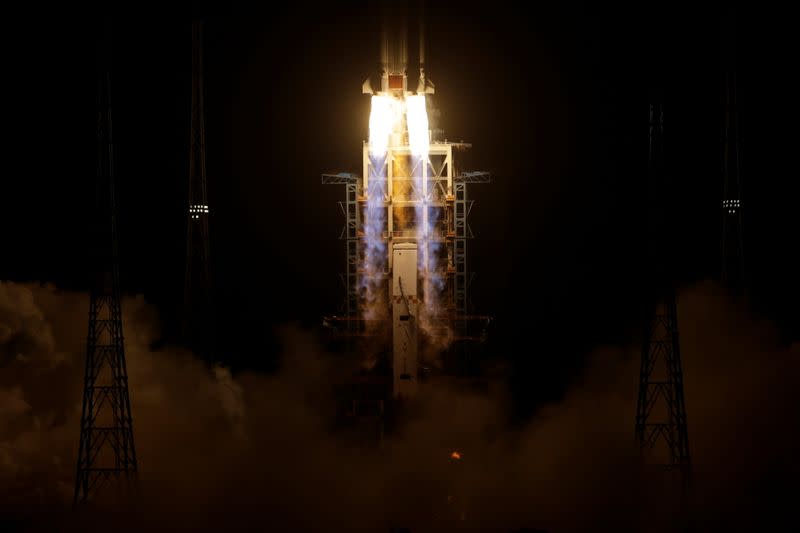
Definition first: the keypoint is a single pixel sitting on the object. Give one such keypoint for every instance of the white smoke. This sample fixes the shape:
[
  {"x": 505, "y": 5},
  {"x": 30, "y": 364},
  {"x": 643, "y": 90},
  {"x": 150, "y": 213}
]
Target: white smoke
[{"x": 427, "y": 216}]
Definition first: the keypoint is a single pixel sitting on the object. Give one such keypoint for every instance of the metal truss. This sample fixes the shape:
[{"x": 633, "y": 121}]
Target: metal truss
[{"x": 106, "y": 449}]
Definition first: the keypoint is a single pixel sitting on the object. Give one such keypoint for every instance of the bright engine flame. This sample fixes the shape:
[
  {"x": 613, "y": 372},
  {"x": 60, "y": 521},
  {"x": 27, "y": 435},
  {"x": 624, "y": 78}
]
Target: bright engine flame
[
  {"x": 383, "y": 117},
  {"x": 417, "y": 117},
  {"x": 455, "y": 455}
]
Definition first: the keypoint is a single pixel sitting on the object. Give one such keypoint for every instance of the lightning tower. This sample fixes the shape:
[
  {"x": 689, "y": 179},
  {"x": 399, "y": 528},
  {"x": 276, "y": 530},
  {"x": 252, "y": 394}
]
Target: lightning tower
[
  {"x": 732, "y": 271},
  {"x": 106, "y": 449},
  {"x": 198, "y": 312},
  {"x": 661, "y": 411}
]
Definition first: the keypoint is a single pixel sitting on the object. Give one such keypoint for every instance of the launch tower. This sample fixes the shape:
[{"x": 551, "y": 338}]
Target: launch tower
[
  {"x": 198, "y": 311},
  {"x": 406, "y": 227},
  {"x": 106, "y": 450},
  {"x": 732, "y": 271},
  {"x": 661, "y": 428}
]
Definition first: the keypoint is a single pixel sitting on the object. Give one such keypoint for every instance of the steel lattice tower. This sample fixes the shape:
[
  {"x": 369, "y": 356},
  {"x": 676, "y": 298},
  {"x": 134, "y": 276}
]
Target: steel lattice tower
[
  {"x": 732, "y": 241},
  {"x": 198, "y": 315},
  {"x": 661, "y": 411},
  {"x": 106, "y": 449}
]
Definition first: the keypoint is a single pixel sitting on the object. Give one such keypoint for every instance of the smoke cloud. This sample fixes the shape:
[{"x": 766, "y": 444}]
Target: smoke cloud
[{"x": 258, "y": 452}]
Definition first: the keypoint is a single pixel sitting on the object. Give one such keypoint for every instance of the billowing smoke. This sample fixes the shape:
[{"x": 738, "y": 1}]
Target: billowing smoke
[{"x": 240, "y": 452}]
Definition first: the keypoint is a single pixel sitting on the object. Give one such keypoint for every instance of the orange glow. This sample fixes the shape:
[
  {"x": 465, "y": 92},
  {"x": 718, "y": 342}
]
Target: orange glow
[{"x": 455, "y": 455}]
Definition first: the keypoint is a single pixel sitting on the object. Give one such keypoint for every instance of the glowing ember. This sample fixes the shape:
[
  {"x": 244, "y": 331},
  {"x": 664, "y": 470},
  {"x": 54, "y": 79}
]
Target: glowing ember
[{"x": 455, "y": 455}]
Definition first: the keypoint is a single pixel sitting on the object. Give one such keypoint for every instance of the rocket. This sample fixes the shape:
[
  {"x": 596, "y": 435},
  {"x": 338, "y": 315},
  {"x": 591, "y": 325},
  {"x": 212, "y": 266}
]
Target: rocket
[
  {"x": 399, "y": 136},
  {"x": 393, "y": 70}
]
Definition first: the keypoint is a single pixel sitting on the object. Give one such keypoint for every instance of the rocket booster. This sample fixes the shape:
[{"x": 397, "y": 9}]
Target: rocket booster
[{"x": 394, "y": 54}]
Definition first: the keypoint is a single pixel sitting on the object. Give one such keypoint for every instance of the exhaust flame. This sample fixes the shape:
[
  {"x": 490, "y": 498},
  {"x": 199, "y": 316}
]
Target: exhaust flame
[
  {"x": 395, "y": 122},
  {"x": 384, "y": 117},
  {"x": 427, "y": 215},
  {"x": 417, "y": 117},
  {"x": 455, "y": 455}
]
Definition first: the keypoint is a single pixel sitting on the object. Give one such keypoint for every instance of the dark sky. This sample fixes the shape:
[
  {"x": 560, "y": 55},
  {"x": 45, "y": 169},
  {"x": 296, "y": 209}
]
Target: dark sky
[{"x": 554, "y": 101}]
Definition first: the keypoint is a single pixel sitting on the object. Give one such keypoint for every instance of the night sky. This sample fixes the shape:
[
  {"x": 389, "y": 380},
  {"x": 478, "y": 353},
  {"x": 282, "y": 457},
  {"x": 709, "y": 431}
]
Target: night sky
[
  {"x": 553, "y": 99},
  {"x": 554, "y": 102}
]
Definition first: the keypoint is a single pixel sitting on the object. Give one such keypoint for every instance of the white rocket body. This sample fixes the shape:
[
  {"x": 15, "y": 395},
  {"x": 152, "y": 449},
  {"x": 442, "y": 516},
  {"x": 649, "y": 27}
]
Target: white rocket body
[{"x": 404, "y": 318}]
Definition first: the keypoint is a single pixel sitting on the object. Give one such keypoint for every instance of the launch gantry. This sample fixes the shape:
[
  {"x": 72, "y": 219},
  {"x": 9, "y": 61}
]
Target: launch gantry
[{"x": 406, "y": 228}]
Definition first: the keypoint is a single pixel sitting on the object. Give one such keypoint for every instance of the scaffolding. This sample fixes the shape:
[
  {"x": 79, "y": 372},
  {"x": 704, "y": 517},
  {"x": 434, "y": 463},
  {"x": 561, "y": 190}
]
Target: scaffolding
[
  {"x": 443, "y": 201},
  {"x": 106, "y": 451},
  {"x": 661, "y": 423},
  {"x": 352, "y": 216}
]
